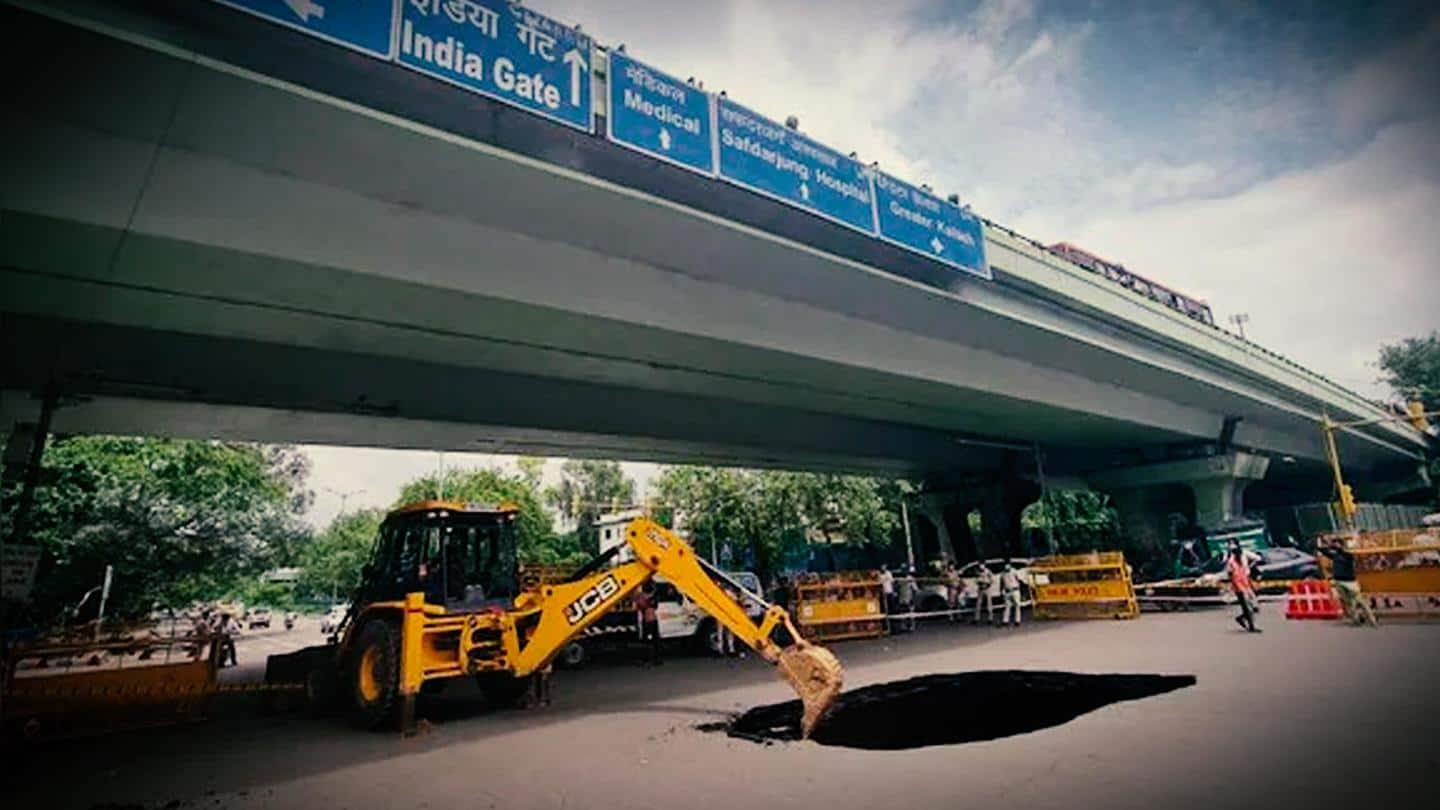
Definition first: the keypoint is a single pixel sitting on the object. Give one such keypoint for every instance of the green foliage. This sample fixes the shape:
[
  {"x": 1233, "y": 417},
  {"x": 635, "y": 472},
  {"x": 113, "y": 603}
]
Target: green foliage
[
  {"x": 535, "y": 537},
  {"x": 178, "y": 520},
  {"x": 587, "y": 490},
  {"x": 773, "y": 513},
  {"x": 1078, "y": 521},
  {"x": 257, "y": 592},
  {"x": 331, "y": 563},
  {"x": 532, "y": 469},
  {"x": 1412, "y": 368}
]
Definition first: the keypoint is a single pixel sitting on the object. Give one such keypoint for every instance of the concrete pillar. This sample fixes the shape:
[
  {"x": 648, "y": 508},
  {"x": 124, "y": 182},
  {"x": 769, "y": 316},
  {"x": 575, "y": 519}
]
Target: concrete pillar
[
  {"x": 1000, "y": 508},
  {"x": 1146, "y": 495},
  {"x": 932, "y": 505},
  {"x": 1144, "y": 514},
  {"x": 19, "y": 446},
  {"x": 1219, "y": 493}
]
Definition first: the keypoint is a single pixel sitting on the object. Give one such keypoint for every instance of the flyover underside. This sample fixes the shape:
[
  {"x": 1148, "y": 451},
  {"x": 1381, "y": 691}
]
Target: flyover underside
[{"x": 158, "y": 213}]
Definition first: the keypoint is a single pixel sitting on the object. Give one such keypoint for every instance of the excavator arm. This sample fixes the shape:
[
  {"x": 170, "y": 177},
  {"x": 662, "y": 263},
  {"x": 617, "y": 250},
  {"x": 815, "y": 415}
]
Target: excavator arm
[{"x": 566, "y": 609}]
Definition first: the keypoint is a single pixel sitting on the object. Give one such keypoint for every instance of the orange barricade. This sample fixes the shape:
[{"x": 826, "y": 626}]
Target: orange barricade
[{"x": 1312, "y": 599}]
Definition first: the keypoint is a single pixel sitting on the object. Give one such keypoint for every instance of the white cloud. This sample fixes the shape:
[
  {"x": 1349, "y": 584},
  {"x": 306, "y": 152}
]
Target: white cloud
[{"x": 1330, "y": 262}]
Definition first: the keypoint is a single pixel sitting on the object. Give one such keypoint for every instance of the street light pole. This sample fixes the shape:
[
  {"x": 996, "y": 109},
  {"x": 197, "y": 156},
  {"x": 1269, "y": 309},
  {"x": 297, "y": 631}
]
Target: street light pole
[
  {"x": 344, "y": 496},
  {"x": 1240, "y": 319}
]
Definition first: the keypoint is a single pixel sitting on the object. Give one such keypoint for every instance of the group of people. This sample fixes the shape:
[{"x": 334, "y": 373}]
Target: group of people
[
  {"x": 1339, "y": 567},
  {"x": 901, "y": 593},
  {"x": 223, "y": 628}
]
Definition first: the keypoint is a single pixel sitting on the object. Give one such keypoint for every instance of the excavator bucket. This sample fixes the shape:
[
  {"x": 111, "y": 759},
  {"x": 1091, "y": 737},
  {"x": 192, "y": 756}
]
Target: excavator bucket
[{"x": 816, "y": 676}]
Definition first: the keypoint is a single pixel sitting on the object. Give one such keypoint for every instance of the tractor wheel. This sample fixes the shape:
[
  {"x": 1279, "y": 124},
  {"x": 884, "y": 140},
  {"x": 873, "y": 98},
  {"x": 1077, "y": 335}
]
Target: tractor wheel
[
  {"x": 374, "y": 675},
  {"x": 503, "y": 690}
]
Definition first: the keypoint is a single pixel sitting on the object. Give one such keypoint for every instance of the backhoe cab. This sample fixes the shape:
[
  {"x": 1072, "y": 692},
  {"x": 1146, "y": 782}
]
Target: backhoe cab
[{"x": 440, "y": 598}]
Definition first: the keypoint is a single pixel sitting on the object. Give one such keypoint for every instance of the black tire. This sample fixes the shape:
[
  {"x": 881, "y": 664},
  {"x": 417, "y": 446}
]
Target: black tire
[
  {"x": 706, "y": 638},
  {"x": 572, "y": 656},
  {"x": 503, "y": 690},
  {"x": 373, "y": 675}
]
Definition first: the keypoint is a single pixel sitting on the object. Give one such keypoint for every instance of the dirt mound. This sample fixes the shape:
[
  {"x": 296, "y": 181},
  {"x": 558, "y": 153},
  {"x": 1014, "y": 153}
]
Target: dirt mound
[{"x": 946, "y": 709}]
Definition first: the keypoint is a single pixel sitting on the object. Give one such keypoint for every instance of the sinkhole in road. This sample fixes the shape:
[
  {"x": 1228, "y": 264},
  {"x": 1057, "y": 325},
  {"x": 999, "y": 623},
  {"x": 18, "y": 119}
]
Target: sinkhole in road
[{"x": 946, "y": 709}]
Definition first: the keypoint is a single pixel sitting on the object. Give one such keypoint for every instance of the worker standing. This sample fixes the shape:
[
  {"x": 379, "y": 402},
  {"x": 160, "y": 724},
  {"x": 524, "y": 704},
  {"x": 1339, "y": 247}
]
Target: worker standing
[
  {"x": 984, "y": 581},
  {"x": 907, "y": 598},
  {"x": 952, "y": 589},
  {"x": 724, "y": 638},
  {"x": 1010, "y": 593},
  {"x": 649, "y": 623},
  {"x": 229, "y": 629},
  {"x": 1240, "y": 585},
  {"x": 1340, "y": 565},
  {"x": 887, "y": 588}
]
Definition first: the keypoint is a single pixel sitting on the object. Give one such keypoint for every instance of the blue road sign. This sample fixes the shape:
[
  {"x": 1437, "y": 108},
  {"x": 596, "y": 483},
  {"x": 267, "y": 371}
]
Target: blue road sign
[
  {"x": 503, "y": 50},
  {"x": 918, "y": 220},
  {"x": 365, "y": 25},
  {"x": 656, "y": 113},
  {"x": 764, "y": 156}
]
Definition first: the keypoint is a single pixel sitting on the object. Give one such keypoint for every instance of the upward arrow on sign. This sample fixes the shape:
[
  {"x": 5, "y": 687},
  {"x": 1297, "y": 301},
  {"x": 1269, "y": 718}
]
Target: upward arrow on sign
[
  {"x": 578, "y": 67},
  {"x": 665, "y": 139},
  {"x": 305, "y": 9}
]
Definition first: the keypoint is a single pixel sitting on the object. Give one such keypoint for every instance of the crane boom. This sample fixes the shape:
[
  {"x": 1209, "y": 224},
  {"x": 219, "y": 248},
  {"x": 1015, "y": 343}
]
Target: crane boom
[{"x": 564, "y": 610}]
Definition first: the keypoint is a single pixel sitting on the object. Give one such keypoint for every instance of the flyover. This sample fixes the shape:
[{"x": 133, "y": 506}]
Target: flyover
[{"x": 212, "y": 226}]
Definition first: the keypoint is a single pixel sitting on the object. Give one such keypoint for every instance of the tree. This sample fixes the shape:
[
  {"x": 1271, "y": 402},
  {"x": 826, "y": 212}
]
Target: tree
[
  {"x": 532, "y": 469},
  {"x": 1077, "y": 520},
  {"x": 1412, "y": 369},
  {"x": 587, "y": 490},
  {"x": 772, "y": 514},
  {"x": 331, "y": 563},
  {"x": 534, "y": 533},
  {"x": 178, "y": 520}
]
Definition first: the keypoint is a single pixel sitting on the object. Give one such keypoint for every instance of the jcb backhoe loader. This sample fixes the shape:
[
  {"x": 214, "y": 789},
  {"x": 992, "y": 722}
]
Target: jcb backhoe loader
[{"x": 440, "y": 598}]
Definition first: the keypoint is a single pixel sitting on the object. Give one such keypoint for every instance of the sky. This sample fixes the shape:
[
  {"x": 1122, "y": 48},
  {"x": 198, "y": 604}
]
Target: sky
[{"x": 1280, "y": 160}]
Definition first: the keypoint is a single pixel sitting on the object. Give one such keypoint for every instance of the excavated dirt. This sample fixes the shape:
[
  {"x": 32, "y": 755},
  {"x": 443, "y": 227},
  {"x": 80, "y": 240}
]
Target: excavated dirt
[{"x": 948, "y": 709}]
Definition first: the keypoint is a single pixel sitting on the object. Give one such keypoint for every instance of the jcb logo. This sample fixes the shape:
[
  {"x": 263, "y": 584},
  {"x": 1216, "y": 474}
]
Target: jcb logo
[
  {"x": 591, "y": 599},
  {"x": 658, "y": 538}
]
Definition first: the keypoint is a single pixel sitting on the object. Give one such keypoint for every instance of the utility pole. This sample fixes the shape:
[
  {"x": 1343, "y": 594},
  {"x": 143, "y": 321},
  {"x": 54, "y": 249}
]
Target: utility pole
[
  {"x": 344, "y": 496},
  {"x": 1240, "y": 319},
  {"x": 104, "y": 597},
  {"x": 909, "y": 544}
]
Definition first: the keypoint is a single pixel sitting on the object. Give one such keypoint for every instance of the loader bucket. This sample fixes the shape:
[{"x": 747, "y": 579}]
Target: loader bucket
[{"x": 816, "y": 676}]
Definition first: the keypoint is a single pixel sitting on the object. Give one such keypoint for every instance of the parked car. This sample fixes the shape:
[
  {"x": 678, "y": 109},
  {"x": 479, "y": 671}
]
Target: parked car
[
  {"x": 258, "y": 617},
  {"x": 330, "y": 622},
  {"x": 932, "y": 596},
  {"x": 1284, "y": 563}
]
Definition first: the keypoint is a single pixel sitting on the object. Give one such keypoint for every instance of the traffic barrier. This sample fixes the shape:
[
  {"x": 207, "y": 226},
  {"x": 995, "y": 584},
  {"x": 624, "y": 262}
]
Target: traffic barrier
[
  {"x": 1398, "y": 570},
  {"x": 1312, "y": 599},
  {"x": 1084, "y": 586},
  {"x": 847, "y": 604}
]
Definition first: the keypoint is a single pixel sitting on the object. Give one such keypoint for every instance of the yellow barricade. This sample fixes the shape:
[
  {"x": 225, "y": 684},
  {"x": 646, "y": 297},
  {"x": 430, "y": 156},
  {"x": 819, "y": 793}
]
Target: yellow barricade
[
  {"x": 1084, "y": 586},
  {"x": 1400, "y": 581},
  {"x": 843, "y": 605}
]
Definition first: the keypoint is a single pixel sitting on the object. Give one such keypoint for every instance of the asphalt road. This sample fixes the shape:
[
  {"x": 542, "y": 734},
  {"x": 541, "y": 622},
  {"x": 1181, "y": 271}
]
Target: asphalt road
[{"x": 1310, "y": 715}]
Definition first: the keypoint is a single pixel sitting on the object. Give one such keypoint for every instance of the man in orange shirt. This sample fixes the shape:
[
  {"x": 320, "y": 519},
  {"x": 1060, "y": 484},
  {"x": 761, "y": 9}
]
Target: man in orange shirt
[{"x": 1240, "y": 584}]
